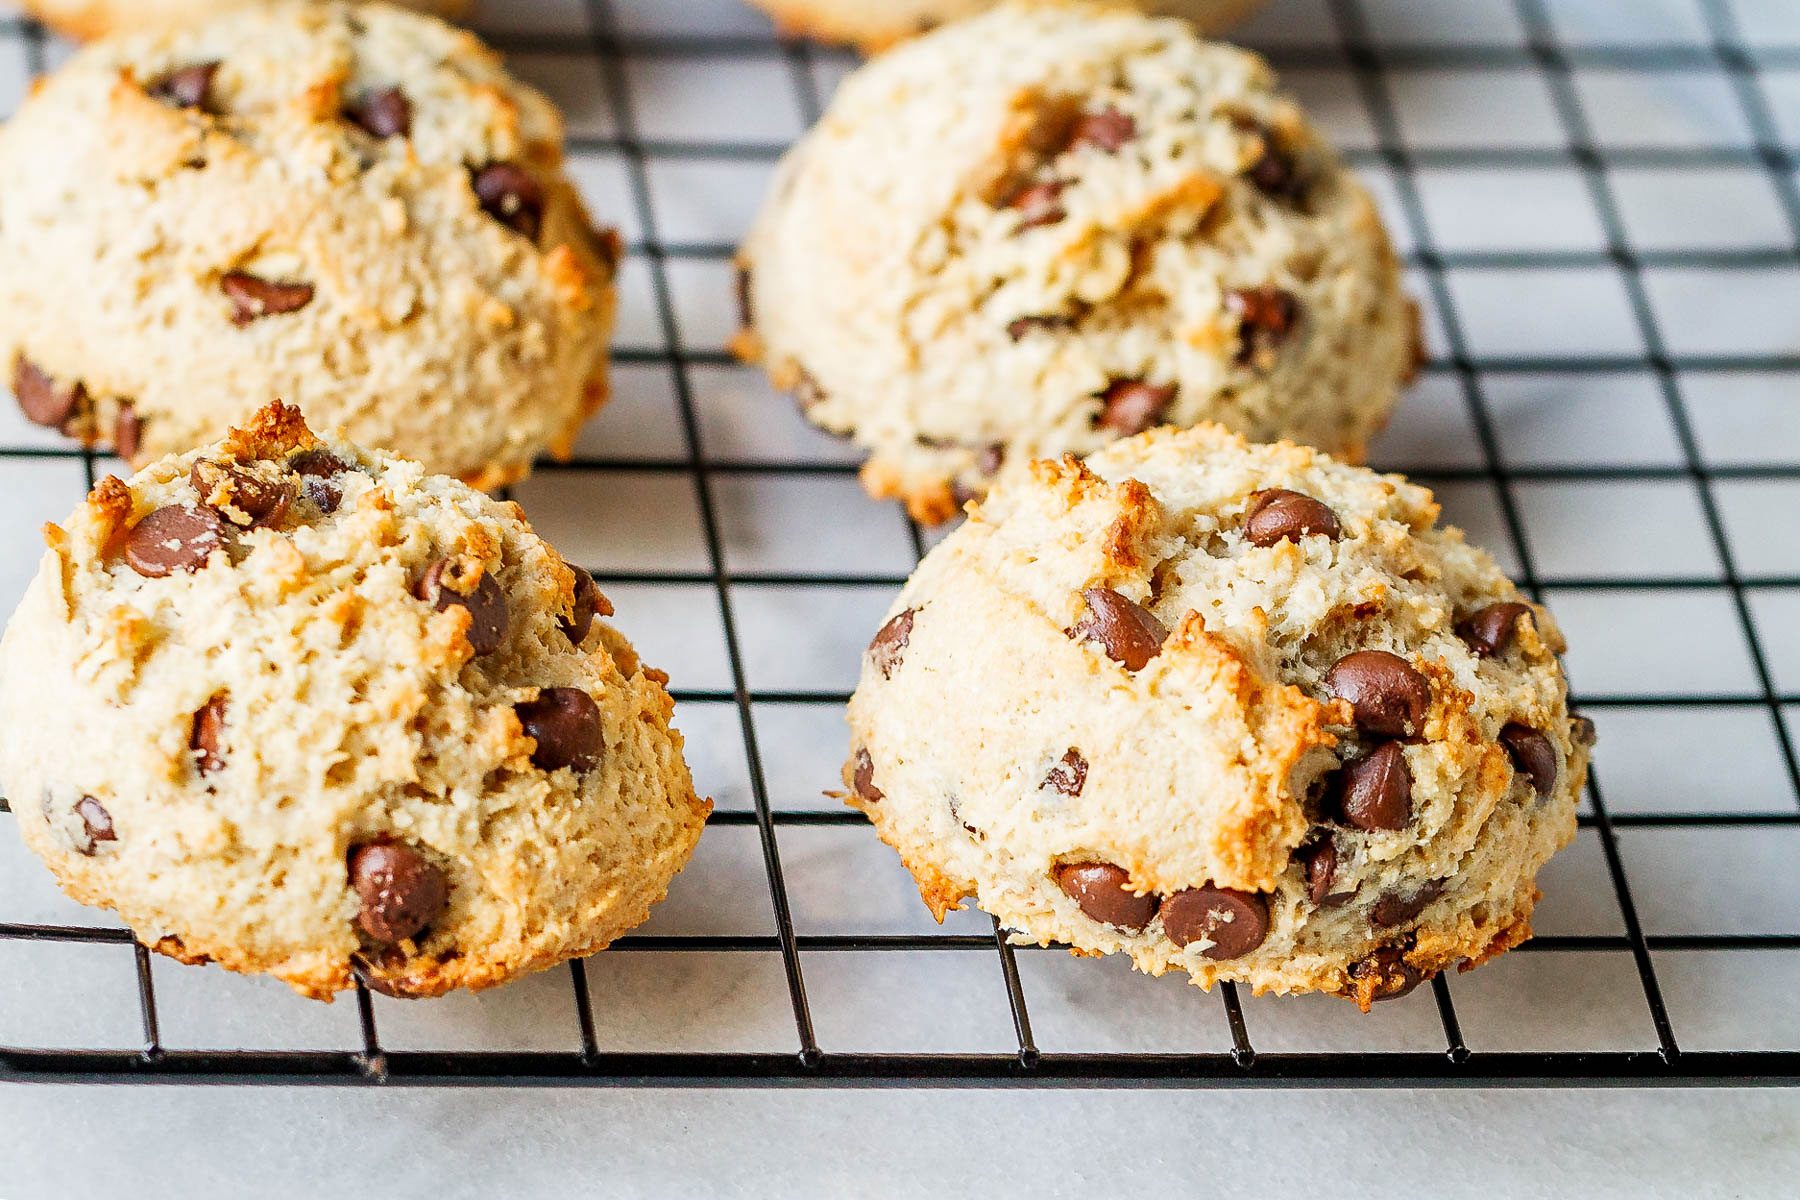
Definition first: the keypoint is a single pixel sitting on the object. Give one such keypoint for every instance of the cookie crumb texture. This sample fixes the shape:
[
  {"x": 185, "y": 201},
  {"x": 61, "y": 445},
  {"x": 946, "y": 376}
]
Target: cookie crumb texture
[
  {"x": 876, "y": 24},
  {"x": 305, "y": 710},
  {"x": 352, "y": 208},
  {"x": 1279, "y": 727},
  {"x": 98, "y": 18},
  {"x": 1047, "y": 227}
]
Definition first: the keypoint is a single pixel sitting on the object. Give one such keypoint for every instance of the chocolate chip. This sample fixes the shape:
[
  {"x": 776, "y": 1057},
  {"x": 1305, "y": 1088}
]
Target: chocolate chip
[
  {"x": 989, "y": 459},
  {"x": 1038, "y": 204},
  {"x": 1068, "y": 775},
  {"x": 512, "y": 196},
  {"x": 207, "y": 736},
  {"x": 318, "y": 471},
  {"x": 1235, "y": 922},
  {"x": 1397, "y": 908},
  {"x": 1266, "y": 316},
  {"x": 1129, "y": 633},
  {"x": 222, "y": 486},
  {"x": 128, "y": 431},
  {"x": 446, "y": 583},
  {"x": 1389, "y": 695},
  {"x": 1532, "y": 754},
  {"x": 401, "y": 891},
  {"x": 1389, "y": 972},
  {"x": 956, "y": 815},
  {"x": 1582, "y": 731},
  {"x": 96, "y": 822},
  {"x": 889, "y": 644},
  {"x": 1103, "y": 892},
  {"x": 1020, "y": 326},
  {"x": 1133, "y": 406},
  {"x": 187, "y": 87},
  {"x": 1489, "y": 631},
  {"x": 746, "y": 313},
  {"x": 1275, "y": 173},
  {"x": 178, "y": 537},
  {"x": 863, "y": 778},
  {"x": 1319, "y": 860},
  {"x": 1277, "y": 514},
  {"x": 1107, "y": 129},
  {"x": 41, "y": 400},
  {"x": 589, "y": 603},
  {"x": 1376, "y": 792},
  {"x": 384, "y": 113},
  {"x": 565, "y": 722},
  {"x": 253, "y": 298}
]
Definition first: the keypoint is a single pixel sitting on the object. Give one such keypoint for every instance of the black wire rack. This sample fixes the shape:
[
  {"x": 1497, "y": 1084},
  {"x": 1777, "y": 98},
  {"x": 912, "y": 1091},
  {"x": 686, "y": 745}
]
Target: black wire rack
[{"x": 1695, "y": 957}]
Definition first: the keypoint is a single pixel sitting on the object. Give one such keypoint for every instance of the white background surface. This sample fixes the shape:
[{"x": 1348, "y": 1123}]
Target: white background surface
[{"x": 1630, "y": 566}]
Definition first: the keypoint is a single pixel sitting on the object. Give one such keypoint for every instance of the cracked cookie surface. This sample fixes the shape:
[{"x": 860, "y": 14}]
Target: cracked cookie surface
[
  {"x": 1050, "y": 226},
  {"x": 352, "y": 208},
  {"x": 336, "y": 718},
  {"x": 1278, "y": 726}
]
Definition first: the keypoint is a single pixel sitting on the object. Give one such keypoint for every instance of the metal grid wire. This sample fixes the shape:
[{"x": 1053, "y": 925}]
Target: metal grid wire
[{"x": 1463, "y": 371}]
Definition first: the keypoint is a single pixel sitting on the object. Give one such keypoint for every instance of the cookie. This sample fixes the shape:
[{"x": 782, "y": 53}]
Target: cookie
[
  {"x": 305, "y": 710},
  {"x": 353, "y": 209},
  {"x": 98, "y": 18},
  {"x": 876, "y": 24},
  {"x": 1046, "y": 227},
  {"x": 1276, "y": 726}
]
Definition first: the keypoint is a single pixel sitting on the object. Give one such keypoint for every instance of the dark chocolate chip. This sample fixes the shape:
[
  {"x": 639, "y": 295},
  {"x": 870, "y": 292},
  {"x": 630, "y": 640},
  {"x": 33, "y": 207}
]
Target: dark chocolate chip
[
  {"x": 96, "y": 822},
  {"x": 1108, "y": 129},
  {"x": 128, "y": 431},
  {"x": 1390, "y": 973},
  {"x": 1397, "y": 908},
  {"x": 1278, "y": 514},
  {"x": 863, "y": 778},
  {"x": 1582, "y": 731},
  {"x": 1020, "y": 326},
  {"x": 187, "y": 87},
  {"x": 1533, "y": 755},
  {"x": 1235, "y": 922},
  {"x": 512, "y": 196},
  {"x": 1133, "y": 406},
  {"x": 1038, "y": 204},
  {"x": 445, "y": 583},
  {"x": 384, "y": 113},
  {"x": 1389, "y": 695},
  {"x": 889, "y": 644},
  {"x": 589, "y": 603},
  {"x": 1376, "y": 791},
  {"x": 41, "y": 400},
  {"x": 1266, "y": 316},
  {"x": 222, "y": 485},
  {"x": 176, "y": 538},
  {"x": 253, "y": 298},
  {"x": 1129, "y": 633},
  {"x": 206, "y": 738},
  {"x": 1489, "y": 631},
  {"x": 1069, "y": 775},
  {"x": 1275, "y": 173},
  {"x": 318, "y": 471},
  {"x": 1319, "y": 860},
  {"x": 565, "y": 722},
  {"x": 401, "y": 891},
  {"x": 1103, "y": 892}
]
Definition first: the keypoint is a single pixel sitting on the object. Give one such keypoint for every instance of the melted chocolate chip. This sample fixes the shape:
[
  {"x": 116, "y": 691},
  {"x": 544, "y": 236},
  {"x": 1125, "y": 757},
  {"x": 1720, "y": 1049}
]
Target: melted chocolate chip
[
  {"x": 565, "y": 722},
  {"x": 1319, "y": 860},
  {"x": 889, "y": 645},
  {"x": 589, "y": 604},
  {"x": 221, "y": 485},
  {"x": 1069, "y": 775},
  {"x": 1129, "y": 633},
  {"x": 1266, "y": 315},
  {"x": 1390, "y": 973},
  {"x": 1108, "y": 130},
  {"x": 512, "y": 196},
  {"x": 1277, "y": 515},
  {"x": 41, "y": 400},
  {"x": 1389, "y": 695},
  {"x": 179, "y": 537},
  {"x": 1275, "y": 173},
  {"x": 384, "y": 113},
  {"x": 253, "y": 298},
  {"x": 1533, "y": 754},
  {"x": 1235, "y": 922},
  {"x": 206, "y": 738},
  {"x": 445, "y": 584},
  {"x": 128, "y": 431},
  {"x": 1397, "y": 908},
  {"x": 1489, "y": 631},
  {"x": 96, "y": 823},
  {"x": 1038, "y": 204},
  {"x": 318, "y": 471},
  {"x": 187, "y": 87},
  {"x": 401, "y": 892},
  {"x": 1103, "y": 892},
  {"x": 1132, "y": 406},
  {"x": 863, "y": 778},
  {"x": 1376, "y": 791}
]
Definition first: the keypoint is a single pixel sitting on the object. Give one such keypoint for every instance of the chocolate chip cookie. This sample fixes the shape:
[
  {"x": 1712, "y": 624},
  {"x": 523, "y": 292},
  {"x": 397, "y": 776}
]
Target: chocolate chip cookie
[
  {"x": 352, "y": 208},
  {"x": 97, "y": 18},
  {"x": 1279, "y": 727},
  {"x": 1048, "y": 227},
  {"x": 876, "y": 24},
  {"x": 305, "y": 710}
]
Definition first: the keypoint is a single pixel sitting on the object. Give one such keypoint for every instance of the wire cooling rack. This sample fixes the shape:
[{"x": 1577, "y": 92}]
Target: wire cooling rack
[{"x": 1598, "y": 206}]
